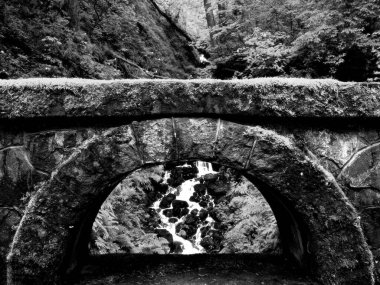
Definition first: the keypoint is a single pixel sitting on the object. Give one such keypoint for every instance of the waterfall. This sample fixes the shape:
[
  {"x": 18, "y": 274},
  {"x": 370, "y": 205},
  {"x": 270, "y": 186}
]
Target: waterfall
[{"x": 183, "y": 193}]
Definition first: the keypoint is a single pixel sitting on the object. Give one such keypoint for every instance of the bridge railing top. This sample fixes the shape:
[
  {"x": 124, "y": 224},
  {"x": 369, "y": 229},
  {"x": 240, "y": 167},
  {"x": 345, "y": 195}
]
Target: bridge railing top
[{"x": 262, "y": 97}]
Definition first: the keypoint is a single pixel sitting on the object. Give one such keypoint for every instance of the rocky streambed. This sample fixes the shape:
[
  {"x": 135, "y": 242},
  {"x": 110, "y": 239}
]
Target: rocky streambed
[{"x": 185, "y": 209}]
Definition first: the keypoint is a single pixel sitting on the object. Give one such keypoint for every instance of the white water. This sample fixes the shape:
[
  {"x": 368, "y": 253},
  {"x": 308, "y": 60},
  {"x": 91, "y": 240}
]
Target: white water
[{"x": 184, "y": 192}]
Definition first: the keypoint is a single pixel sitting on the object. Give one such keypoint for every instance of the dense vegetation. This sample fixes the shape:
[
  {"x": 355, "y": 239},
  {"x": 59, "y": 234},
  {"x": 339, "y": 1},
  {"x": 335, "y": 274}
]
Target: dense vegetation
[
  {"x": 108, "y": 39},
  {"x": 302, "y": 38},
  {"x": 101, "y": 39}
]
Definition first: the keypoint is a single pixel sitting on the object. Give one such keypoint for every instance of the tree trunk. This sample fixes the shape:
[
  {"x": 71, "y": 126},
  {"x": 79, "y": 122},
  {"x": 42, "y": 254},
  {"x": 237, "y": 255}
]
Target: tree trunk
[
  {"x": 209, "y": 14},
  {"x": 72, "y": 7},
  {"x": 210, "y": 18}
]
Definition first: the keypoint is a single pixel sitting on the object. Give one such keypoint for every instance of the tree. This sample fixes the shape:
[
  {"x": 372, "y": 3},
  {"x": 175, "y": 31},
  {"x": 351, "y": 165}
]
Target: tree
[
  {"x": 72, "y": 8},
  {"x": 298, "y": 38}
]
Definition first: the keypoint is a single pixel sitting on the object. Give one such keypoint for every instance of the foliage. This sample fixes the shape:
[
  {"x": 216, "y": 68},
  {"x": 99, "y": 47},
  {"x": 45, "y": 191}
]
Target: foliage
[
  {"x": 113, "y": 228},
  {"x": 252, "y": 226},
  {"x": 305, "y": 38},
  {"x": 100, "y": 39}
]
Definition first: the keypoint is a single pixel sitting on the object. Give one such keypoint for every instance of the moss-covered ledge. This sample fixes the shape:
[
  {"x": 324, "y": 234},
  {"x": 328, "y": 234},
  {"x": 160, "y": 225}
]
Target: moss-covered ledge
[{"x": 263, "y": 97}]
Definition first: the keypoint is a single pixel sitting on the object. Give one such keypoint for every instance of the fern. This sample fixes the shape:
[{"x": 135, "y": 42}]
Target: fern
[{"x": 107, "y": 223}]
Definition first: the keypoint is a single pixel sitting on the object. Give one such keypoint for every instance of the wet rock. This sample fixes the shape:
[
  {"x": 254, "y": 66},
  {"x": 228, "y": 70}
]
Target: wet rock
[
  {"x": 203, "y": 214},
  {"x": 165, "y": 234},
  {"x": 177, "y": 212},
  {"x": 168, "y": 213},
  {"x": 167, "y": 201},
  {"x": 158, "y": 186},
  {"x": 185, "y": 231},
  {"x": 191, "y": 219},
  {"x": 182, "y": 234},
  {"x": 214, "y": 213},
  {"x": 173, "y": 220},
  {"x": 206, "y": 198},
  {"x": 163, "y": 188},
  {"x": 175, "y": 182},
  {"x": 194, "y": 212},
  {"x": 195, "y": 198},
  {"x": 151, "y": 212},
  {"x": 179, "y": 227},
  {"x": 190, "y": 230},
  {"x": 217, "y": 188},
  {"x": 210, "y": 177},
  {"x": 179, "y": 174},
  {"x": 204, "y": 231},
  {"x": 177, "y": 247},
  {"x": 180, "y": 208},
  {"x": 153, "y": 197},
  {"x": 179, "y": 204},
  {"x": 189, "y": 172},
  {"x": 200, "y": 189},
  {"x": 184, "y": 212}
]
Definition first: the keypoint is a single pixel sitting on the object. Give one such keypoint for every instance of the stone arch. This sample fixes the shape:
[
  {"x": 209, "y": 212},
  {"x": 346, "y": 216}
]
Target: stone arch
[{"x": 315, "y": 217}]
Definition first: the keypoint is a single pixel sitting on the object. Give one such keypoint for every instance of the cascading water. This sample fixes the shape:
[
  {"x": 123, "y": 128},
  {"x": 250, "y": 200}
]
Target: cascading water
[{"x": 184, "y": 193}]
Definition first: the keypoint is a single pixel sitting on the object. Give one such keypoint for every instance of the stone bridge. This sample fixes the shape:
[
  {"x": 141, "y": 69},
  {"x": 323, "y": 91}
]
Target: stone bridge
[{"x": 312, "y": 147}]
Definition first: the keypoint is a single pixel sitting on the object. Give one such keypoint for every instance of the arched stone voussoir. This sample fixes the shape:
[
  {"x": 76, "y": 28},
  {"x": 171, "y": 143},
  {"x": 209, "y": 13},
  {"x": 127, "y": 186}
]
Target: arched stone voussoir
[
  {"x": 233, "y": 146},
  {"x": 336, "y": 243},
  {"x": 156, "y": 140},
  {"x": 83, "y": 181},
  {"x": 61, "y": 204},
  {"x": 195, "y": 138}
]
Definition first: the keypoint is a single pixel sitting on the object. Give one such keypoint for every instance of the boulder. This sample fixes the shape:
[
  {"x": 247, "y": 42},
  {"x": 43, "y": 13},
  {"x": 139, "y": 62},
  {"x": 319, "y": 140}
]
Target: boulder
[
  {"x": 167, "y": 201},
  {"x": 190, "y": 230},
  {"x": 179, "y": 227},
  {"x": 163, "y": 188},
  {"x": 191, "y": 220},
  {"x": 194, "y": 212},
  {"x": 184, "y": 212},
  {"x": 200, "y": 189},
  {"x": 217, "y": 188},
  {"x": 195, "y": 198},
  {"x": 182, "y": 234},
  {"x": 203, "y": 214},
  {"x": 179, "y": 204},
  {"x": 210, "y": 177},
  {"x": 168, "y": 213},
  {"x": 165, "y": 234},
  {"x": 177, "y": 247},
  {"x": 173, "y": 220},
  {"x": 204, "y": 231}
]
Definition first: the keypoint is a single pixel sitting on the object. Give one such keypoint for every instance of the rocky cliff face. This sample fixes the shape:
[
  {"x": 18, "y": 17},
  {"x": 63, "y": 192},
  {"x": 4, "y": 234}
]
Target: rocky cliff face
[{"x": 189, "y": 15}]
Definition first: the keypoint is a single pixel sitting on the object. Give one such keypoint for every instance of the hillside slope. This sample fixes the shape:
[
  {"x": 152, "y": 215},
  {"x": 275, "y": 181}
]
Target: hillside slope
[{"x": 91, "y": 39}]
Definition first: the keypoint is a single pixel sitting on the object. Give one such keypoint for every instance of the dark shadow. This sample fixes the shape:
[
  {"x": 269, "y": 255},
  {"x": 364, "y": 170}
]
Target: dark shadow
[{"x": 136, "y": 268}]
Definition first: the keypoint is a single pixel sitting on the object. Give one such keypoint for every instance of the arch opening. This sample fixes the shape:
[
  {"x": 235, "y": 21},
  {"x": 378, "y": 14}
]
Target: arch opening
[
  {"x": 301, "y": 193},
  {"x": 203, "y": 226}
]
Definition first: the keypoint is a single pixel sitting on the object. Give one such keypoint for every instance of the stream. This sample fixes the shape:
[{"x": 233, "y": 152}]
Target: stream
[{"x": 184, "y": 192}]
